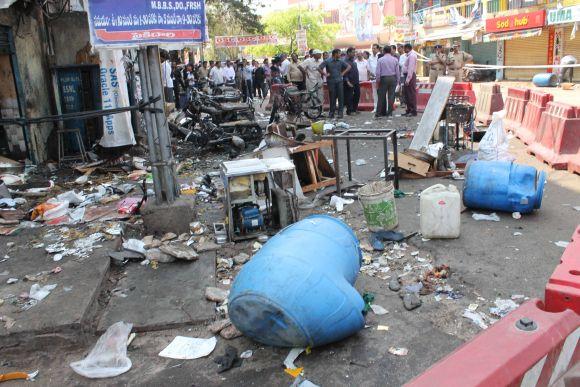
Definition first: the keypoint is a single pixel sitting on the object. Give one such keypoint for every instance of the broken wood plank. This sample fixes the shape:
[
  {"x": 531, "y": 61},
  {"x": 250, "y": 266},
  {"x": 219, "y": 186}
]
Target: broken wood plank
[{"x": 432, "y": 113}]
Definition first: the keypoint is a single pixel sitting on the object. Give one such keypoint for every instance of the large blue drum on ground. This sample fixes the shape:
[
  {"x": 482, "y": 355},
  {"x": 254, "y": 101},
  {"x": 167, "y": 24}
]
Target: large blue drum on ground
[
  {"x": 545, "y": 80},
  {"x": 297, "y": 291},
  {"x": 503, "y": 186}
]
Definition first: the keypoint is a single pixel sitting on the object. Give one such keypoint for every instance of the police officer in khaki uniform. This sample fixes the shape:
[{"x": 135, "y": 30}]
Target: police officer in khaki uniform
[
  {"x": 437, "y": 64},
  {"x": 456, "y": 61}
]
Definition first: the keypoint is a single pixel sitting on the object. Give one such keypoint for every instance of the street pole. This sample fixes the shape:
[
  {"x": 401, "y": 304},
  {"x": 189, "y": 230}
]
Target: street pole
[
  {"x": 165, "y": 160},
  {"x": 151, "y": 139}
]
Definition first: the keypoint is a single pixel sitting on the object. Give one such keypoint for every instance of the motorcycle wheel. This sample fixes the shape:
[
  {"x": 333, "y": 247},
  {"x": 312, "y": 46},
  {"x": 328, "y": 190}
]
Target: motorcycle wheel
[{"x": 313, "y": 112}]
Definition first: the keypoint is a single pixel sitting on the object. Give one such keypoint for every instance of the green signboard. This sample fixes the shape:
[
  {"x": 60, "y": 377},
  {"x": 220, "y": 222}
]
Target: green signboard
[{"x": 564, "y": 15}]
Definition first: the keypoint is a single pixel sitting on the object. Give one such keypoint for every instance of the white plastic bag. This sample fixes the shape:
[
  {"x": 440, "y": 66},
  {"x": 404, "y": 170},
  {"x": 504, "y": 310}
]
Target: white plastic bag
[
  {"x": 61, "y": 209},
  {"x": 109, "y": 356},
  {"x": 495, "y": 143}
]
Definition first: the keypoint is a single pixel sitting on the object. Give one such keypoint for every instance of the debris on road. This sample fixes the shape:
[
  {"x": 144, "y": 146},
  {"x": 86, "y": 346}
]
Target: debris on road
[
  {"x": 228, "y": 360},
  {"x": 398, "y": 351},
  {"x": 39, "y": 293},
  {"x": 216, "y": 294},
  {"x": 378, "y": 310},
  {"x": 491, "y": 217},
  {"x": 188, "y": 348},
  {"x": 108, "y": 357}
]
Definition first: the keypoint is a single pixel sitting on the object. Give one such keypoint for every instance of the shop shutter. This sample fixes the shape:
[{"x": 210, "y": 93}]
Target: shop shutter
[
  {"x": 483, "y": 52},
  {"x": 525, "y": 52},
  {"x": 572, "y": 47}
]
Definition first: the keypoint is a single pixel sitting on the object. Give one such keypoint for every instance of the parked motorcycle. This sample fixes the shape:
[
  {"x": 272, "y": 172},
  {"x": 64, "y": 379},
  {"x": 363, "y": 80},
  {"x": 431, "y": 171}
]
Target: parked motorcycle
[
  {"x": 220, "y": 112},
  {"x": 471, "y": 74},
  {"x": 225, "y": 93},
  {"x": 207, "y": 123}
]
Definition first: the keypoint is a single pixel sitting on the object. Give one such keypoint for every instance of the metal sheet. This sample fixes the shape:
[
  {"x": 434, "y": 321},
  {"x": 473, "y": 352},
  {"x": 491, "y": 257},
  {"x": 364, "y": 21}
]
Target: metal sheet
[{"x": 432, "y": 113}]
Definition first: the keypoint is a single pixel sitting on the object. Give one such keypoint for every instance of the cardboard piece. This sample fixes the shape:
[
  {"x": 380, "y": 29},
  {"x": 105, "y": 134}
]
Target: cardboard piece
[
  {"x": 432, "y": 114},
  {"x": 412, "y": 164}
]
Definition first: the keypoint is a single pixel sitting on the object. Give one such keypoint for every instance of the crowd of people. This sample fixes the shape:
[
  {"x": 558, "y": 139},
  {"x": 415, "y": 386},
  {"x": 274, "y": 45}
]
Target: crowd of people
[{"x": 391, "y": 68}]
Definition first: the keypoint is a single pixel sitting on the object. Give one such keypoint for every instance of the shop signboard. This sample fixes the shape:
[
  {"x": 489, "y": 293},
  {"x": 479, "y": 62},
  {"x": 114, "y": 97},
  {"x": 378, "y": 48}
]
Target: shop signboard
[
  {"x": 133, "y": 23},
  {"x": 244, "y": 41},
  {"x": 563, "y": 15},
  {"x": 522, "y": 21}
]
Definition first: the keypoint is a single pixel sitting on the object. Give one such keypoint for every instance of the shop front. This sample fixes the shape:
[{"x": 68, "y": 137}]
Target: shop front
[
  {"x": 525, "y": 42},
  {"x": 561, "y": 23}
]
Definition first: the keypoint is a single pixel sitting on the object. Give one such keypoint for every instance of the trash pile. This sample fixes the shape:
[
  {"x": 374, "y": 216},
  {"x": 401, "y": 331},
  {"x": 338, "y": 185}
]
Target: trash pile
[{"x": 106, "y": 190}]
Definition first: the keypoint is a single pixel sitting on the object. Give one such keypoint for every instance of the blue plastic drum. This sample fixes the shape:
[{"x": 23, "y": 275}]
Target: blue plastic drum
[
  {"x": 545, "y": 80},
  {"x": 503, "y": 186},
  {"x": 297, "y": 291}
]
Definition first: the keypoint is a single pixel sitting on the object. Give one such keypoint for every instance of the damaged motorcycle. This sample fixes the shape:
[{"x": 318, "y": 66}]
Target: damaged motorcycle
[{"x": 207, "y": 123}]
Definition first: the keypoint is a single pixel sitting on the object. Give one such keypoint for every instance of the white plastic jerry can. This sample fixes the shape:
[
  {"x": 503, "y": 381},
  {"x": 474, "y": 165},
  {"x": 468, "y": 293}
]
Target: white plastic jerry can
[{"x": 440, "y": 212}]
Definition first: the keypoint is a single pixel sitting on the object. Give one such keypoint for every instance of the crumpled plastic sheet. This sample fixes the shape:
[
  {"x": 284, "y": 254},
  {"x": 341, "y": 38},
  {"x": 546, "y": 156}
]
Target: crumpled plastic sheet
[{"x": 108, "y": 358}]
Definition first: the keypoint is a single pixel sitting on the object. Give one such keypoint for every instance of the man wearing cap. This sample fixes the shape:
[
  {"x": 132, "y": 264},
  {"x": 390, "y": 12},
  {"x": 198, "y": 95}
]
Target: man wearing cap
[
  {"x": 313, "y": 76},
  {"x": 456, "y": 61},
  {"x": 437, "y": 64}
]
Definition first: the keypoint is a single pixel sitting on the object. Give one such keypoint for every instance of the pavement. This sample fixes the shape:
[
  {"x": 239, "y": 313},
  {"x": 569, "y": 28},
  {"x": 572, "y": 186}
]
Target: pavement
[{"x": 487, "y": 262}]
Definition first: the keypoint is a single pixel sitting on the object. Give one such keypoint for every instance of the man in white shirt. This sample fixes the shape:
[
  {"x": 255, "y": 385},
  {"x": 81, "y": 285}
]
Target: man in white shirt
[
  {"x": 229, "y": 73},
  {"x": 402, "y": 61},
  {"x": 166, "y": 79},
  {"x": 284, "y": 66},
  {"x": 373, "y": 59},
  {"x": 363, "y": 67},
  {"x": 247, "y": 74},
  {"x": 216, "y": 74},
  {"x": 313, "y": 75}
]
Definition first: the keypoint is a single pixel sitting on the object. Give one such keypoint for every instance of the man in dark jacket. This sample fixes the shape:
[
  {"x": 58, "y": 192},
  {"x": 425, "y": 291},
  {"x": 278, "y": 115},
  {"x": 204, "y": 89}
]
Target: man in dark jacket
[
  {"x": 259, "y": 81},
  {"x": 351, "y": 84}
]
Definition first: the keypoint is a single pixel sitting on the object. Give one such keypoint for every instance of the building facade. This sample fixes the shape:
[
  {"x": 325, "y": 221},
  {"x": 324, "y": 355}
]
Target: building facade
[
  {"x": 502, "y": 32},
  {"x": 46, "y": 68},
  {"x": 363, "y": 22}
]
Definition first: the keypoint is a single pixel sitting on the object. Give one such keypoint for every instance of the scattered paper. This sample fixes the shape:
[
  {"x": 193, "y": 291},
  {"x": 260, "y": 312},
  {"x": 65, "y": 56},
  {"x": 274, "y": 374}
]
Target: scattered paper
[
  {"x": 503, "y": 307},
  {"x": 246, "y": 354},
  {"x": 135, "y": 245},
  {"x": 378, "y": 310},
  {"x": 476, "y": 318},
  {"x": 517, "y": 233},
  {"x": 398, "y": 351},
  {"x": 187, "y": 348},
  {"x": 382, "y": 328},
  {"x": 516, "y": 215},
  {"x": 492, "y": 217},
  {"x": 563, "y": 244},
  {"x": 360, "y": 162},
  {"x": 39, "y": 293}
]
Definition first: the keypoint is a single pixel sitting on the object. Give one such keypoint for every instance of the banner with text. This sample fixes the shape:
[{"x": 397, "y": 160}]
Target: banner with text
[
  {"x": 133, "y": 23},
  {"x": 243, "y": 41},
  {"x": 117, "y": 128}
]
